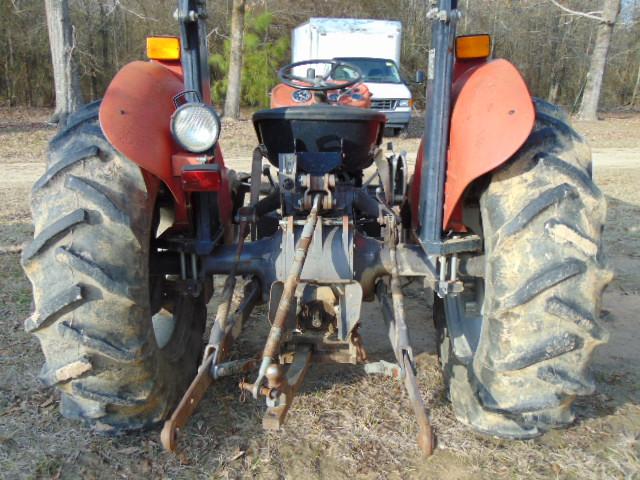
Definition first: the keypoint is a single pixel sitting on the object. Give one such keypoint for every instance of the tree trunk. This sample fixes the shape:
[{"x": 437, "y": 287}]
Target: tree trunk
[
  {"x": 553, "y": 90},
  {"x": 104, "y": 35},
  {"x": 636, "y": 90},
  {"x": 65, "y": 75},
  {"x": 591, "y": 96},
  {"x": 234, "y": 81}
]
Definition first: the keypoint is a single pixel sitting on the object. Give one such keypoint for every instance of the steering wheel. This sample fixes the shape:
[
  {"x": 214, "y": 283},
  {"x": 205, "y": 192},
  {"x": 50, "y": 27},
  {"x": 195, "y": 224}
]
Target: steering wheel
[{"x": 319, "y": 83}]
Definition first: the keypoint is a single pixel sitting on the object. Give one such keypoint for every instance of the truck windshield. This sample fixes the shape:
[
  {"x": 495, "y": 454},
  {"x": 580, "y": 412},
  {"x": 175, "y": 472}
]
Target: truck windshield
[{"x": 374, "y": 70}]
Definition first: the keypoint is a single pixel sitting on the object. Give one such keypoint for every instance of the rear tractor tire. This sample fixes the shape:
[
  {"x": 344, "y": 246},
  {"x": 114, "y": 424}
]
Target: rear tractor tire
[
  {"x": 515, "y": 347},
  {"x": 96, "y": 303}
]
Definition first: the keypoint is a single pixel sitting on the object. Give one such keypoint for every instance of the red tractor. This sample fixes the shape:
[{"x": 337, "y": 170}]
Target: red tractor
[{"x": 137, "y": 211}]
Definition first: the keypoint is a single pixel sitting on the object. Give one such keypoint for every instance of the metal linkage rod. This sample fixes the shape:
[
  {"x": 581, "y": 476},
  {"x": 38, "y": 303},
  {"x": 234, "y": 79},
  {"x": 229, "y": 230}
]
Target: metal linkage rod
[
  {"x": 272, "y": 346},
  {"x": 394, "y": 316},
  {"x": 256, "y": 179},
  {"x": 219, "y": 329},
  {"x": 405, "y": 363},
  {"x": 214, "y": 352}
]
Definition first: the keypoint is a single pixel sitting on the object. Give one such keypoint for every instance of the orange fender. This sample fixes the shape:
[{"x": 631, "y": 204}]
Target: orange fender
[
  {"x": 135, "y": 117},
  {"x": 493, "y": 115}
]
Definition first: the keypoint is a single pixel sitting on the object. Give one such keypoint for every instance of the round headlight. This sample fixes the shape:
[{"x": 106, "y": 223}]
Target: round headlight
[{"x": 196, "y": 127}]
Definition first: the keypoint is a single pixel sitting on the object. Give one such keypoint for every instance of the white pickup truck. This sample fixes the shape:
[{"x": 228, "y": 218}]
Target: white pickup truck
[{"x": 371, "y": 45}]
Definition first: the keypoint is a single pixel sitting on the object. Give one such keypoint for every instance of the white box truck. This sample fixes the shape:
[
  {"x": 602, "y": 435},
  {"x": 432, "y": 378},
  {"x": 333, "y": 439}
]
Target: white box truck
[{"x": 371, "y": 45}]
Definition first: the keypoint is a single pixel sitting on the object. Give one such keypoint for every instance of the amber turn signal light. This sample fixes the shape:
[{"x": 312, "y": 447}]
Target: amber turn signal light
[
  {"x": 163, "y": 48},
  {"x": 470, "y": 47}
]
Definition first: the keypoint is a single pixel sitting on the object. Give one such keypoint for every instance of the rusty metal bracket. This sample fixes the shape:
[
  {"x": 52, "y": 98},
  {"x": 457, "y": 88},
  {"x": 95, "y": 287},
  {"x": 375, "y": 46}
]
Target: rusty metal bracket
[
  {"x": 208, "y": 371},
  {"x": 406, "y": 366},
  {"x": 425, "y": 433},
  {"x": 188, "y": 404},
  {"x": 281, "y": 388}
]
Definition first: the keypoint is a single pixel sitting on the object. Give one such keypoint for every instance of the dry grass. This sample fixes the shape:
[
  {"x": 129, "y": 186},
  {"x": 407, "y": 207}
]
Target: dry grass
[{"x": 343, "y": 424}]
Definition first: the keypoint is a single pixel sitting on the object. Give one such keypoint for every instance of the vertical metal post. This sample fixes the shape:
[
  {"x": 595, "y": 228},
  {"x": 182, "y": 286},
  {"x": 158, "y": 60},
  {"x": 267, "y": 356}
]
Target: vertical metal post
[
  {"x": 193, "y": 41},
  {"x": 437, "y": 121},
  {"x": 191, "y": 16}
]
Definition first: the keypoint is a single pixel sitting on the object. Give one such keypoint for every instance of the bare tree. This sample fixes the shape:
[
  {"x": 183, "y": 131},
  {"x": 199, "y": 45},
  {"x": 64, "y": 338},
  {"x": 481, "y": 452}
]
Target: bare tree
[
  {"x": 636, "y": 90},
  {"x": 65, "y": 75},
  {"x": 109, "y": 33},
  {"x": 234, "y": 82},
  {"x": 591, "y": 96}
]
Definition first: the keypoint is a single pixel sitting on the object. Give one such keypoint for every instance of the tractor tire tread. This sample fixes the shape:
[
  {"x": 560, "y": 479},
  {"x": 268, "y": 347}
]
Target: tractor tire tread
[
  {"x": 89, "y": 265},
  {"x": 57, "y": 228},
  {"x": 542, "y": 217},
  {"x": 99, "y": 197},
  {"x": 82, "y": 391},
  {"x": 73, "y": 369},
  {"x": 99, "y": 345},
  {"x": 69, "y": 160},
  {"x": 54, "y": 307},
  {"x": 538, "y": 205},
  {"x": 543, "y": 107},
  {"x": 66, "y": 256},
  {"x": 565, "y": 310},
  {"x": 576, "y": 174},
  {"x": 542, "y": 281}
]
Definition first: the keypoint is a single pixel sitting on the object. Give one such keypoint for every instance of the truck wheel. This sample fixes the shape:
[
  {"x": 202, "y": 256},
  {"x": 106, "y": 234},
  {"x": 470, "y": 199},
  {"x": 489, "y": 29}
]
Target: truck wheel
[
  {"x": 515, "y": 346},
  {"x": 96, "y": 302}
]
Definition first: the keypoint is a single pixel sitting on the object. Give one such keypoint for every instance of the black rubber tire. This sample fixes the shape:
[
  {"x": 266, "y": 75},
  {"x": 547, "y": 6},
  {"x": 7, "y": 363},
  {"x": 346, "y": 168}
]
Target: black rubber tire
[
  {"x": 89, "y": 267},
  {"x": 544, "y": 273},
  {"x": 546, "y": 108}
]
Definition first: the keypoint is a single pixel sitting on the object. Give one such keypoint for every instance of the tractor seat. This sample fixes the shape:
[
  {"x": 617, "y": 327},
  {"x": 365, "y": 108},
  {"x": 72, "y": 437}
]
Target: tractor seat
[{"x": 321, "y": 128}]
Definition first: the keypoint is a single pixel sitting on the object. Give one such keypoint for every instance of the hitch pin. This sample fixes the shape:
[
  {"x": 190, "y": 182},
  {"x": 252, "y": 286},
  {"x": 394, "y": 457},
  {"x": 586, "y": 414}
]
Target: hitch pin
[
  {"x": 443, "y": 268},
  {"x": 442, "y": 284},
  {"x": 454, "y": 268},
  {"x": 257, "y": 390}
]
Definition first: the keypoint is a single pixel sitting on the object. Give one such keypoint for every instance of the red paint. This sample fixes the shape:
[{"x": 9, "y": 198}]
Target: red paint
[
  {"x": 135, "y": 115},
  {"x": 463, "y": 66},
  {"x": 173, "y": 65},
  {"x": 281, "y": 96},
  {"x": 201, "y": 180},
  {"x": 492, "y": 117}
]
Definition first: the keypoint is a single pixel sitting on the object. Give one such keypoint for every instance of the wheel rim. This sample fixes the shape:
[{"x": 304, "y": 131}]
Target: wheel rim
[
  {"x": 171, "y": 324},
  {"x": 164, "y": 325}
]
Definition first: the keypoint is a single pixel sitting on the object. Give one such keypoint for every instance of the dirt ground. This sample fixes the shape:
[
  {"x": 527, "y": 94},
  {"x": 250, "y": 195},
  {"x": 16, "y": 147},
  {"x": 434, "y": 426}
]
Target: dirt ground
[{"x": 343, "y": 424}]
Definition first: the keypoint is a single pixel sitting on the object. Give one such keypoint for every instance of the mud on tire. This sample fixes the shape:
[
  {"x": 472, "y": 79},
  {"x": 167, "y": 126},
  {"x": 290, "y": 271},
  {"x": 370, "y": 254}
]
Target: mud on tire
[
  {"x": 544, "y": 273},
  {"x": 89, "y": 267}
]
